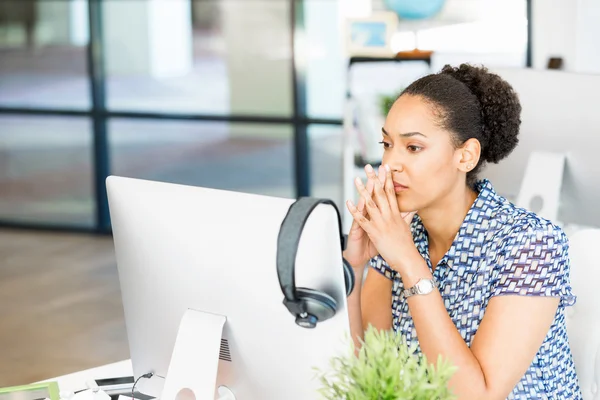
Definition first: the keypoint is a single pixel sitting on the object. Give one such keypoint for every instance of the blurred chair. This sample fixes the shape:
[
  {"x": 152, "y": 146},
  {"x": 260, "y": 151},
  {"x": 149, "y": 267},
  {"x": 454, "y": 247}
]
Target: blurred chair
[{"x": 583, "y": 319}]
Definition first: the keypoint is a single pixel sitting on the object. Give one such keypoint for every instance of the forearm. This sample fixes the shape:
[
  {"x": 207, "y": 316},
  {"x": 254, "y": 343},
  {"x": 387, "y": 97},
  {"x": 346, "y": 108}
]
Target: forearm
[
  {"x": 376, "y": 302},
  {"x": 438, "y": 335},
  {"x": 354, "y": 309},
  {"x": 369, "y": 304}
]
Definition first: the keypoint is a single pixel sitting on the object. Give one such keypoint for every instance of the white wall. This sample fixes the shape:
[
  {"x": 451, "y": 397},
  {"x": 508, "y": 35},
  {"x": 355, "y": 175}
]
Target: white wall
[
  {"x": 554, "y": 32},
  {"x": 560, "y": 115},
  {"x": 588, "y": 32},
  {"x": 567, "y": 29}
]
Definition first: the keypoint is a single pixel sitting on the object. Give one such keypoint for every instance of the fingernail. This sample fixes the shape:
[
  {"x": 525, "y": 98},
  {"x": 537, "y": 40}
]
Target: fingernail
[
  {"x": 387, "y": 168},
  {"x": 368, "y": 168}
]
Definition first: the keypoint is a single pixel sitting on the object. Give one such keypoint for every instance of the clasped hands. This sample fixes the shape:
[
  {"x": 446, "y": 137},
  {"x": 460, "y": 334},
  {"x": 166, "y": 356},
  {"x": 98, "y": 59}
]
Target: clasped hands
[{"x": 379, "y": 227}]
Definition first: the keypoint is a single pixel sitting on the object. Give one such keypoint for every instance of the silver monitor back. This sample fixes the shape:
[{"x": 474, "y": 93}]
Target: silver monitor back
[
  {"x": 181, "y": 247},
  {"x": 561, "y": 113}
]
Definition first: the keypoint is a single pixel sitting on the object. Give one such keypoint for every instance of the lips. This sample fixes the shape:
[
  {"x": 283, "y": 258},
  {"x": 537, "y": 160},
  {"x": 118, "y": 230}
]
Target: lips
[{"x": 399, "y": 187}]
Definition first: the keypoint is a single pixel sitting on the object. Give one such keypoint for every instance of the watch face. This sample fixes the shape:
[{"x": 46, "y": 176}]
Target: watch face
[{"x": 425, "y": 286}]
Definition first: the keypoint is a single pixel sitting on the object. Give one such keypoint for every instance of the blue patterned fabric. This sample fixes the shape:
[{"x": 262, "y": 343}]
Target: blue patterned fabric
[{"x": 500, "y": 250}]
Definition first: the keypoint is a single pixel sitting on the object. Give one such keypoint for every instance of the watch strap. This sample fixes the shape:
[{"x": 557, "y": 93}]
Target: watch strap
[{"x": 415, "y": 289}]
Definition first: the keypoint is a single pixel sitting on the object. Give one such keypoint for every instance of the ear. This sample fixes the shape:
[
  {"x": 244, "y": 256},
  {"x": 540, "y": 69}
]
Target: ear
[{"x": 467, "y": 156}]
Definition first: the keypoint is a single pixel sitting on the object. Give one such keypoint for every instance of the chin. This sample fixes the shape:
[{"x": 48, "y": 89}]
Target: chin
[{"x": 405, "y": 205}]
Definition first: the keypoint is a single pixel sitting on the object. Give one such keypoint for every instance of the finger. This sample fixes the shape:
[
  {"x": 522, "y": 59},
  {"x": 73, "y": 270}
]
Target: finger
[
  {"x": 370, "y": 171},
  {"x": 370, "y": 185},
  {"x": 359, "y": 218},
  {"x": 361, "y": 207},
  {"x": 382, "y": 176},
  {"x": 375, "y": 181},
  {"x": 390, "y": 191},
  {"x": 361, "y": 201},
  {"x": 379, "y": 195},
  {"x": 354, "y": 227},
  {"x": 370, "y": 206},
  {"x": 372, "y": 175},
  {"x": 408, "y": 216},
  {"x": 371, "y": 178}
]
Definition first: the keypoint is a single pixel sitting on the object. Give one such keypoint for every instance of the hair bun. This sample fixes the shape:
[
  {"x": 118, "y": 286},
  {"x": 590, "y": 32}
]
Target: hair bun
[{"x": 500, "y": 108}]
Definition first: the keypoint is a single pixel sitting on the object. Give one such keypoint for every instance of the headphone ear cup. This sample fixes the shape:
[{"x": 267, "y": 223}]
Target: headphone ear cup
[
  {"x": 349, "y": 277},
  {"x": 319, "y": 307}
]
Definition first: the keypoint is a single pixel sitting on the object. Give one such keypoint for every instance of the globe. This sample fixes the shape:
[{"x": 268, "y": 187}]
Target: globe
[{"x": 414, "y": 9}]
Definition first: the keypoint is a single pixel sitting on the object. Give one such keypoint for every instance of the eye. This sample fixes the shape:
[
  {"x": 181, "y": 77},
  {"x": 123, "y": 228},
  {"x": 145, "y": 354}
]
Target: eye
[
  {"x": 385, "y": 144},
  {"x": 414, "y": 149}
]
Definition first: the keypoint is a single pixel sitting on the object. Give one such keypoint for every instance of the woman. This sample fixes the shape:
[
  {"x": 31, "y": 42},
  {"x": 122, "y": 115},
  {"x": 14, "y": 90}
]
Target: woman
[{"x": 469, "y": 277}]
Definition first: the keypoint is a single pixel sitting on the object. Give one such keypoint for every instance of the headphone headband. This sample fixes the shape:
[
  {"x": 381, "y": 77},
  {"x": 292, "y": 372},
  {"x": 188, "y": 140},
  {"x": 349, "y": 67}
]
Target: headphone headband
[{"x": 287, "y": 246}]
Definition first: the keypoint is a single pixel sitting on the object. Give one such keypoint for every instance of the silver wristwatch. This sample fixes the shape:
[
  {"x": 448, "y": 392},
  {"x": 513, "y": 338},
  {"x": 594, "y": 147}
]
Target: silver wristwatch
[{"x": 423, "y": 286}]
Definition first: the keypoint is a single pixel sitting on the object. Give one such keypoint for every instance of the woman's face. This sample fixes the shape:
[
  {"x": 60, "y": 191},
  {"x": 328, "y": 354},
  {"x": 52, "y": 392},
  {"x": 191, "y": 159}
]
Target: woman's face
[{"x": 421, "y": 155}]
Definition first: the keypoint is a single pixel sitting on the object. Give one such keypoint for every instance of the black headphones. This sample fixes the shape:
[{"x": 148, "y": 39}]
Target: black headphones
[{"x": 309, "y": 306}]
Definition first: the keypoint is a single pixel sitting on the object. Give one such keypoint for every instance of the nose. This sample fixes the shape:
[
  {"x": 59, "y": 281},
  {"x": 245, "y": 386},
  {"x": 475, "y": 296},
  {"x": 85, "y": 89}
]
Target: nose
[
  {"x": 395, "y": 163},
  {"x": 394, "y": 166}
]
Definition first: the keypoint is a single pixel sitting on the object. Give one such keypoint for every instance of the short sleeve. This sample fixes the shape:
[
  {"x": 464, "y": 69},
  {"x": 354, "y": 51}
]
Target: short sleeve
[
  {"x": 535, "y": 262},
  {"x": 379, "y": 264}
]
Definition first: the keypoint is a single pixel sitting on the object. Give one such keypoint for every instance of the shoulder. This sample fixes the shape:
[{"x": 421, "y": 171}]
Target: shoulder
[
  {"x": 512, "y": 225},
  {"x": 538, "y": 231},
  {"x": 526, "y": 229},
  {"x": 533, "y": 260}
]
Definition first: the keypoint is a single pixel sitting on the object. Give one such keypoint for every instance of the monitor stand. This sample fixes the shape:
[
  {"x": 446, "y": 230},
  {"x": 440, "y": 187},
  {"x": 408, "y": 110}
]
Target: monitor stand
[
  {"x": 541, "y": 185},
  {"x": 192, "y": 373}
]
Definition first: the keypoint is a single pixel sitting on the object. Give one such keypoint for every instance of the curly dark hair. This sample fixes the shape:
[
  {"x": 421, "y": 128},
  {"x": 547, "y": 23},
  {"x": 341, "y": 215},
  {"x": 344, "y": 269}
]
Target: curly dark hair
[{"x": 472, "y": 102}]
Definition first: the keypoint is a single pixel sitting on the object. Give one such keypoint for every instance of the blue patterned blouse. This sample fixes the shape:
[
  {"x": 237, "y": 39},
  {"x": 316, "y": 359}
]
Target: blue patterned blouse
[{"x": 499, "y": 250}]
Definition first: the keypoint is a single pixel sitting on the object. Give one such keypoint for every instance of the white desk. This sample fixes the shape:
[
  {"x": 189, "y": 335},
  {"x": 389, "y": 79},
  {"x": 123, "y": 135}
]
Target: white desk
[{"x": 76, "y": 381}]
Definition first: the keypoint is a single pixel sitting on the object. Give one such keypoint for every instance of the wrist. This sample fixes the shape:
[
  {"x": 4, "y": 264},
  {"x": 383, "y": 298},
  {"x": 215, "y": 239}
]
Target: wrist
[
  {"x": 410, "y": 264},
  {"x": 414, "y": 276},
  {"x": 356, "y": 264}
]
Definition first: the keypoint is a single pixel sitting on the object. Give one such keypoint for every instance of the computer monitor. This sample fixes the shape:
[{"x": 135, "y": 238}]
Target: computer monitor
[
  {"x": 180, "y": 247},
  {"x": 560, "y": 114}
]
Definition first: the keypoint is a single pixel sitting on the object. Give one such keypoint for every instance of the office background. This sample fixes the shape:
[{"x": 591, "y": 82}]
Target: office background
[
  {"x": 243, "y": 95},
  {"x": 246, "y": 95}
]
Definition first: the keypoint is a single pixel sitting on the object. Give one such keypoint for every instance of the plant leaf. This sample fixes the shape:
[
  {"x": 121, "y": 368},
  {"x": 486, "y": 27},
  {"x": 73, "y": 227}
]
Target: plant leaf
[{"x": 386, "y": 368}]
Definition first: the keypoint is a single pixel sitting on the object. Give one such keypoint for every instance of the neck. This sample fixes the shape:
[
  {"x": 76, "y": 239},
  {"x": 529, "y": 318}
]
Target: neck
[{"x": 443, "y": 219}]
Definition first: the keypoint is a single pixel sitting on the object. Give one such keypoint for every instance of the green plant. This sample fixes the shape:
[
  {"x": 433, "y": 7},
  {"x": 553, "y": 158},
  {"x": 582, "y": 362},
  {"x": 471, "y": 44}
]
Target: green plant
[
  {"x": 386, "y": 368},
  {"x": 386, "y": 101}
]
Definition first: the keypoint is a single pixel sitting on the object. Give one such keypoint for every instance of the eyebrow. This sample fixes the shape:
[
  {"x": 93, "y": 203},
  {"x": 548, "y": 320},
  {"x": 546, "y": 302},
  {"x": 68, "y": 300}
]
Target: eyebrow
[{"x": 406, "y": 135}]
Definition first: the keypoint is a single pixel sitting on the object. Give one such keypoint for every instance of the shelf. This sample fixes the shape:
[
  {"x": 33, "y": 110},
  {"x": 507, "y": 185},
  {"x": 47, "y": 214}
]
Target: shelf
[{"x": 399, "y": 57}]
